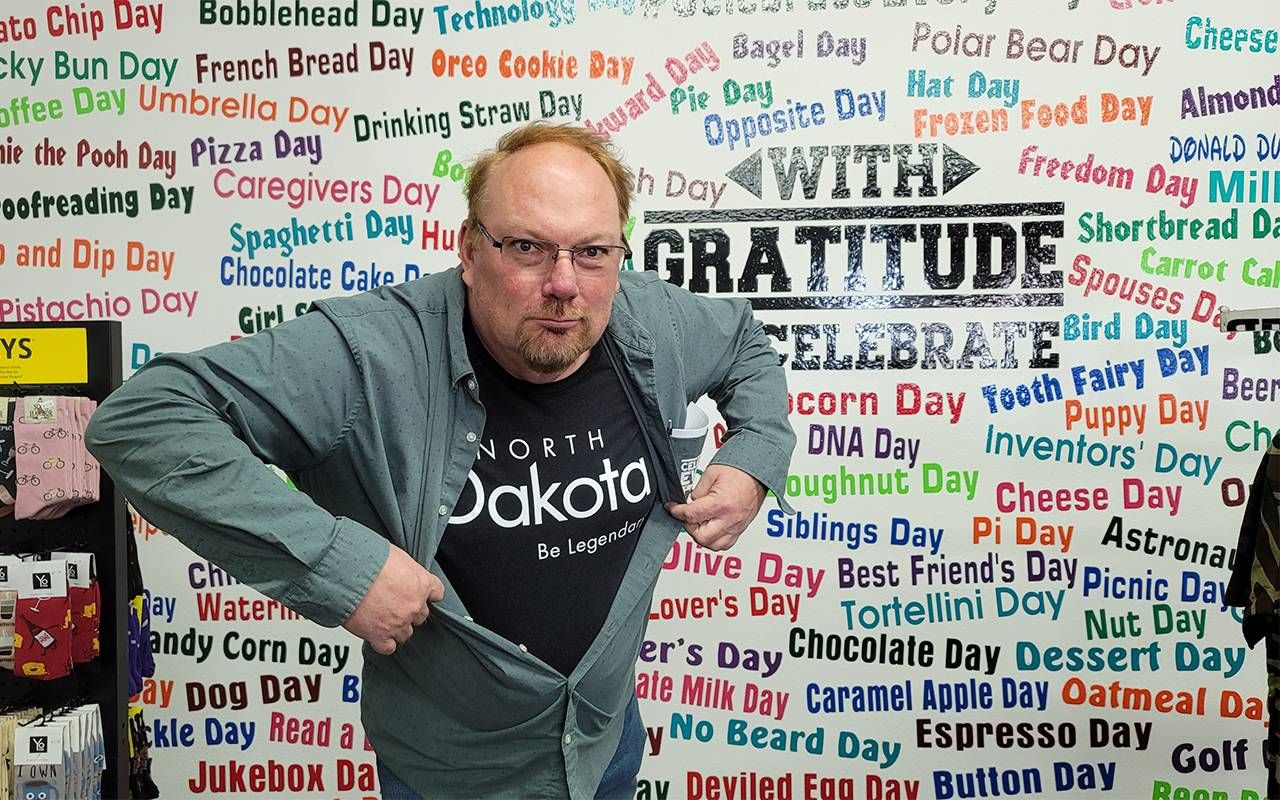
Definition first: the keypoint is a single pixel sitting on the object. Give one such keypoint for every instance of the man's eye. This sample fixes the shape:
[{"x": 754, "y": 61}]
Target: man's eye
[{"x": 524, "y": 245}]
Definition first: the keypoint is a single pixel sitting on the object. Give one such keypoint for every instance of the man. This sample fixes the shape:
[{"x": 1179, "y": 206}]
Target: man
[{"x": 488, "y": 482}]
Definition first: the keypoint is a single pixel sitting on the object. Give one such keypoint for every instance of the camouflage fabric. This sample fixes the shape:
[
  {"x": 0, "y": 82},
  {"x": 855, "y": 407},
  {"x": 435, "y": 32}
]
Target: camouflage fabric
[
  {"x": 1255, "y": 587},
  {"x": 1272, "y": 748}
]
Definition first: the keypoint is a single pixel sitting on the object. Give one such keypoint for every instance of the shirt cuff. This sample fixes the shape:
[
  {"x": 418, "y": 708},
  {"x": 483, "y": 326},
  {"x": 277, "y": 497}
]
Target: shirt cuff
[
  {"x": 335, "y": 585},
  {"x": 761, "y": 459}
]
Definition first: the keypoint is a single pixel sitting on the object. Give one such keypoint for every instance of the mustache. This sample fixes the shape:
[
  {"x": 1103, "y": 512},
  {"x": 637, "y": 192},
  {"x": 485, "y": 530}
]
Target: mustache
[{"x": 556, "y": 311}]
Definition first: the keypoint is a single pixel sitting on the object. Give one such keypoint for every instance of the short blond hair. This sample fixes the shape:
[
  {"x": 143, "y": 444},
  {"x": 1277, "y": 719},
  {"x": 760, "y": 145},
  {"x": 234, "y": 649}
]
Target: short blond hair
[{"x": 538, "y": 132}]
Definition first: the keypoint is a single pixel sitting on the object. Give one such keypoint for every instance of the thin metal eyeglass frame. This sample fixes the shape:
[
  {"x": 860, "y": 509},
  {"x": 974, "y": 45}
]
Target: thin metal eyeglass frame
[{"x": 572, "y": 251}]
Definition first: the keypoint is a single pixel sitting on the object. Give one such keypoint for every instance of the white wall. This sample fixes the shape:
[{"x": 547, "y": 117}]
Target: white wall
[{"x": 837, "y": 338}]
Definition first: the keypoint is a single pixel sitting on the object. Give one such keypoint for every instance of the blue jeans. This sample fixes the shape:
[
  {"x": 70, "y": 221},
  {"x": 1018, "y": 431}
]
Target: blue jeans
[{"x": 618, "y": 783}]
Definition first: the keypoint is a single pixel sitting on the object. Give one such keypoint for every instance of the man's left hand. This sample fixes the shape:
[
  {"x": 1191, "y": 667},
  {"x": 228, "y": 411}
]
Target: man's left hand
[{"x": 720, "y": 507}]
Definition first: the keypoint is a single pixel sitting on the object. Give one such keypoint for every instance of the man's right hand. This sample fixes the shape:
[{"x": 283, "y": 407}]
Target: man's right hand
[{"x": 395, "y": 603}]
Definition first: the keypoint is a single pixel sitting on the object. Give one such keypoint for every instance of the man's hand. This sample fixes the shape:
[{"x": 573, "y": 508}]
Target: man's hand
[
  {"x": 725, "y": 500},
  {"x": 395, "y": 603}
]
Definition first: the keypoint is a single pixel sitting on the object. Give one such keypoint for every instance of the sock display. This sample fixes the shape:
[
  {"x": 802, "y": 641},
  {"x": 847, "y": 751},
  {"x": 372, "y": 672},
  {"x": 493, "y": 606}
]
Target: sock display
[
  {"x": 57, "y": 755},
  {"x": 59, "y": 528}
]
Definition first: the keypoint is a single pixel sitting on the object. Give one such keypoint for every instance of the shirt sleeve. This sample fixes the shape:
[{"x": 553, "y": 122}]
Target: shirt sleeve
[
  {"x": 188, "y": 439},
  {"x": 728, "y": 357}
]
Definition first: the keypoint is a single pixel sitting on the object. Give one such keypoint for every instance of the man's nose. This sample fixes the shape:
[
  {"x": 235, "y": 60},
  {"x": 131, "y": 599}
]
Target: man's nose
[{"x": 562, "y": 277}]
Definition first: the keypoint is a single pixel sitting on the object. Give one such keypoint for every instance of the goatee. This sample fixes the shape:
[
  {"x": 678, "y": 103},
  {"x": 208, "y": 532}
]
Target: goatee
[{"x": 547, "y": 351}]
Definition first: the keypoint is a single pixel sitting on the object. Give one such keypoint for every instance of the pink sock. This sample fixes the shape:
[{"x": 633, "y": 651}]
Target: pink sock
[
  {"x": 42, "y": 437},
  {"x": 92, "y": 469}
]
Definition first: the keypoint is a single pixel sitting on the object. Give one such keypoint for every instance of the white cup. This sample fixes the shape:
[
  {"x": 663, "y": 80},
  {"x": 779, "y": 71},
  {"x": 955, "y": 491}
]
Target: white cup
[{"x": 687, "y": 442}]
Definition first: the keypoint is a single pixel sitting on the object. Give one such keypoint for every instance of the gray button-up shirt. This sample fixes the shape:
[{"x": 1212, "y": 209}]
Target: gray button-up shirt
[{"x": 367, "y": 402}]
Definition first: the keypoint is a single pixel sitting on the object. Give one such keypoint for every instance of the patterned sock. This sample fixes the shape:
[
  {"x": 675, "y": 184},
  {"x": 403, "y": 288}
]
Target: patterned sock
[
  {"x": 66, "y": 490},
  {"x": 68, "y": 410},
  {"x": 42, "y": 638},
  {"x": 86, "y": 619},
  {"x": 42, "y": 628},
  {"x": 92, "y": 469},
  {"x": 43, "y": 454},
  {"x": 82, "y": 597},
  {"x": 147, "y": 659},
  {"x": 136, "y": 645},
  {"x": 78, "y": 466}
]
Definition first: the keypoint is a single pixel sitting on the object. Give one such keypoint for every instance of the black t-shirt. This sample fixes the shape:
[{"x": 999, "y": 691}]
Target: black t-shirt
[{"x": 552, "y": 508}]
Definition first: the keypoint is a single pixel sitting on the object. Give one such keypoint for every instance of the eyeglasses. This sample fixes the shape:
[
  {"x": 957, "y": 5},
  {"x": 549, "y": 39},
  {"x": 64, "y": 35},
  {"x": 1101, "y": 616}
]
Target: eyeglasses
[{"x": 536, "y": 254}]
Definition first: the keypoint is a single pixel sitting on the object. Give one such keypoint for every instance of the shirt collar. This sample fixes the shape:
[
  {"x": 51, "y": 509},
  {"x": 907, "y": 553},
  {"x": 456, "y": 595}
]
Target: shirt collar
[{"x": 455, "y": 306}]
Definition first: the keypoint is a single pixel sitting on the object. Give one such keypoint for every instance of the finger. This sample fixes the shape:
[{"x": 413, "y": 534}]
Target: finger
[
  {"x": 707, "y": 481},
  {"x": 705, "y": 534},
  {"x": 435, "y": 589},
  {"x": 710, "y": 532},
  {"x": 402, "y": 633},
  {"x": 695, "y": 531},
  {"x": 422, "y": 615},
  {"x": 699, "y": 538},
  {"x": 704, "y": 486},
  {"x": 709, "y": 542},
  {"x": 384, "y": 647},
  {"x": 726, "y": 541},
  {"x": 695, "y": 511}
]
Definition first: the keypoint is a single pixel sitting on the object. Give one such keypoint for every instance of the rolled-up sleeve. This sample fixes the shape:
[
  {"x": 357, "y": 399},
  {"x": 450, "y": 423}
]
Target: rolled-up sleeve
[{"x": 188, "y": 439}]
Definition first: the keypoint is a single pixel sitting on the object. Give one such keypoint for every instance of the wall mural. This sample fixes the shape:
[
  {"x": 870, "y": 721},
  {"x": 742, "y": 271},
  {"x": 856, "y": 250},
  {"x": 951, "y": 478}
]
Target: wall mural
[{"x": 991, "y": 242}]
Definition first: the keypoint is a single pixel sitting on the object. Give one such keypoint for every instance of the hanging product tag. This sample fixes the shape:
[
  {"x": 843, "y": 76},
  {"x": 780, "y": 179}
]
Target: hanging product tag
[
  {"x": 39, "y": 579},
  {"x": 40, "y": 408},
  {"x": 38, "y": 744},
  {"x": 79, "y": 567},
  {"x": 38, "y": 766}
]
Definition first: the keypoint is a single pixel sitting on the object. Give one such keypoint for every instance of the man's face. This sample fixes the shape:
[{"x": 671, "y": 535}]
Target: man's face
[{"x": 541, "y": 324}]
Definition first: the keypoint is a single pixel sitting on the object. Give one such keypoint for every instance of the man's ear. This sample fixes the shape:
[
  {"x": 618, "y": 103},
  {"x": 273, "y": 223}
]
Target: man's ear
[{"x": 466, "y": 246}]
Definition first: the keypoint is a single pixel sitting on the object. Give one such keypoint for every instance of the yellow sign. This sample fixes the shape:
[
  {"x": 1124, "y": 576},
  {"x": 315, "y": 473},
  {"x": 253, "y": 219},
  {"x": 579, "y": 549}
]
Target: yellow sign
[{"x": 43, "y": 355}]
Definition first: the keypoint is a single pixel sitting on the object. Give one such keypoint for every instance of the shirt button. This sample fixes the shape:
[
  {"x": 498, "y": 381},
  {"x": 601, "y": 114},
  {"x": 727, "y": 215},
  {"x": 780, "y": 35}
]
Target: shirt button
[
  {"x": 523, "y": 649},
  {"x": 471, "y": 384},
  {"x": 443, "y": 510},
  {"x": 469, "y": 619},
  {"x": 471, "y": 437},
  {"x": 568, "y": 739}
]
